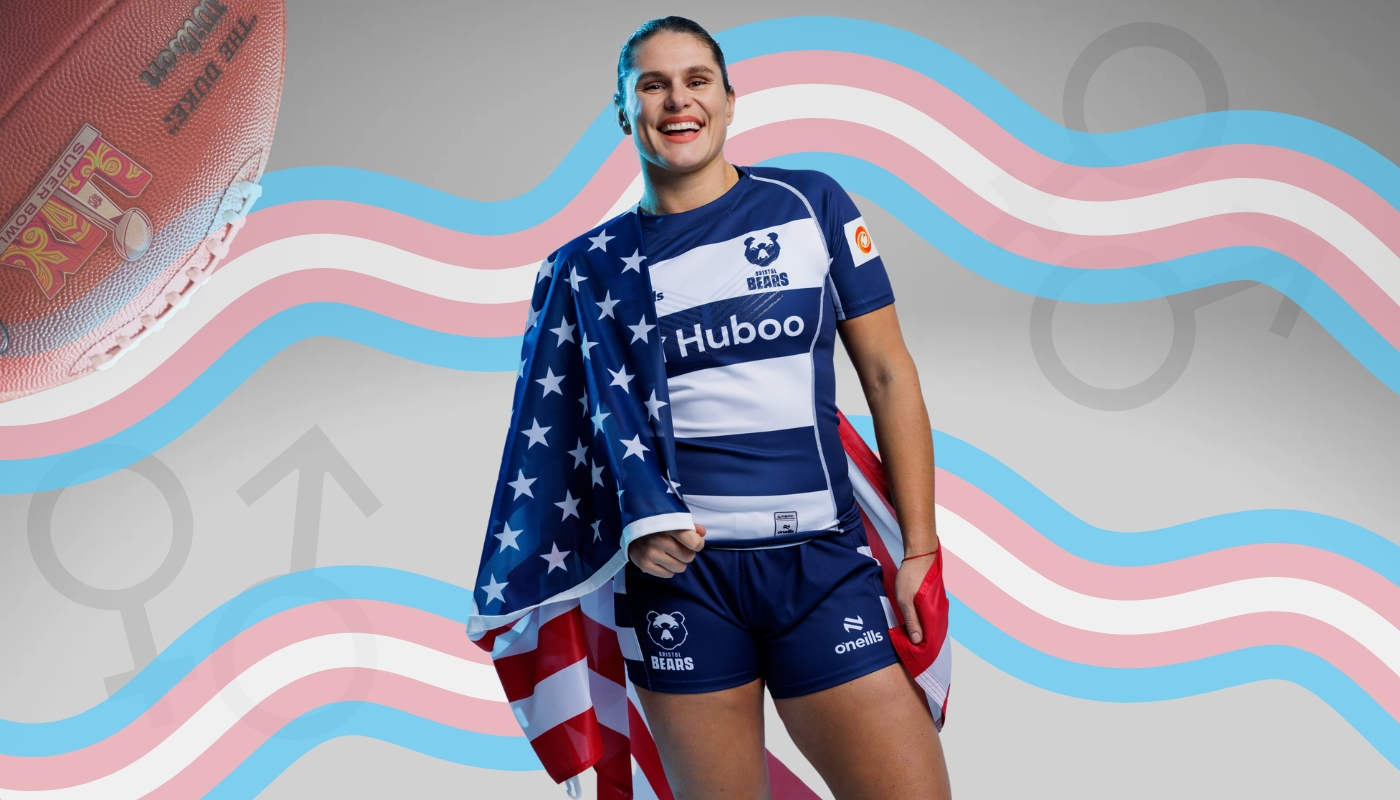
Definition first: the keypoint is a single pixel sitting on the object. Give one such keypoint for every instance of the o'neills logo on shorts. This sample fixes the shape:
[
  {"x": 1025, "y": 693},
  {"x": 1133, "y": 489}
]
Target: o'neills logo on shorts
[
  {"x": 870, "y": 637},
  {"x": 67, "y": 216}
]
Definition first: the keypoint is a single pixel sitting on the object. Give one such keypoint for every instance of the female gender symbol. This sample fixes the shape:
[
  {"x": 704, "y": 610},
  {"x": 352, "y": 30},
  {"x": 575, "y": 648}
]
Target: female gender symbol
[{"x": 131, "y": 601}]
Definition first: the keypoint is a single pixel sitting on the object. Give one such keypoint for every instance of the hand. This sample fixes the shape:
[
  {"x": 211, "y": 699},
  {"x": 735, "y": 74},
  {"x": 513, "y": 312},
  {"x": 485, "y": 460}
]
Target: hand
[
  {"x": 666, "y": 553},
  {"x": 906, "y": 584}
]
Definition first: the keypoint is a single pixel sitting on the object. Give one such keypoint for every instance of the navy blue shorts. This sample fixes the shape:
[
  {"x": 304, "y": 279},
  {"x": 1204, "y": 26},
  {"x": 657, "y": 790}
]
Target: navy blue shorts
[{"x": 804, "y": 618}]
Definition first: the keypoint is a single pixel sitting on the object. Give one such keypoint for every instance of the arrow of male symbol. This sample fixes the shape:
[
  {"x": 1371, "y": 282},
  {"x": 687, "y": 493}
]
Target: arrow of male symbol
[{"x": 311, "y": 456}]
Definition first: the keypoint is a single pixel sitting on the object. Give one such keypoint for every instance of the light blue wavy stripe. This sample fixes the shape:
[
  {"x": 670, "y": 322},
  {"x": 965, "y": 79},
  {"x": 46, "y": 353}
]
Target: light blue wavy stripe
[
  {"x": 498, "y": 354},
  {"x": 230, "y": 370},
  {"x": 407, "y": 341},
  {"x": 1268, "y": 662},
  {"x": 373, "y": 721},
  {"x": 954, "y": 455},
  {"x": 1172, "y": 543},
  {"x": 1124, "y": 285},
  {"x": 219, "y": 626},
  {"x": 997, "y": 102},
  {"x": 385, "y": 585},
  {"x": 1002, "y": 483}
]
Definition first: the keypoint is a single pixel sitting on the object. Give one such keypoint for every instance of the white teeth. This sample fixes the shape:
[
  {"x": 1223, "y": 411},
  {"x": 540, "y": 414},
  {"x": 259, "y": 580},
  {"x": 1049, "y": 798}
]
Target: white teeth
[{"x": 680, "y": 126}]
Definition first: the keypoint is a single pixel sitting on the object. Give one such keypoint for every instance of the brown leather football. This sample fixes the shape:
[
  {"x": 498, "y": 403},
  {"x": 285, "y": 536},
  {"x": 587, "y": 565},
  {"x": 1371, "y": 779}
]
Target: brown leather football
[{"x": 133, "y": 134}]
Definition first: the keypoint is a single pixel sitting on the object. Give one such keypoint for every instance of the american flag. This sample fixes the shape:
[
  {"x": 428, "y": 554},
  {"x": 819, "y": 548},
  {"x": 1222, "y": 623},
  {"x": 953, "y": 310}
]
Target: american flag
[{"x": 588, "y": 465}]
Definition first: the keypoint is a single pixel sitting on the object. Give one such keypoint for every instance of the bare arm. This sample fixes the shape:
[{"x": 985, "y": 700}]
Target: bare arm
[{"x": 902, "y": 432}]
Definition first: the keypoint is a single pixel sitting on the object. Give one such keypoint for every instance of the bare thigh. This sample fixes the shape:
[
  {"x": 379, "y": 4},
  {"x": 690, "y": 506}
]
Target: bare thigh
[
  {"x": 872, "y": 738},
  {"x": 711, "y": 743}
]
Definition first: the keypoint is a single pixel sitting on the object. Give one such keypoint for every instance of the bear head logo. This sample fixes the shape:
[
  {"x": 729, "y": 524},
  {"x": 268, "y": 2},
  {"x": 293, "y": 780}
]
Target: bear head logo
[
  {"x": 666, "y": 630},
  {"x": 761, "y": 253}
]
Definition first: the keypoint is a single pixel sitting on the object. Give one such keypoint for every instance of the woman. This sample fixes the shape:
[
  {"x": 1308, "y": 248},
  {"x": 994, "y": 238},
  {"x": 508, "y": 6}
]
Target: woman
[{"x": 754, "y": 272}]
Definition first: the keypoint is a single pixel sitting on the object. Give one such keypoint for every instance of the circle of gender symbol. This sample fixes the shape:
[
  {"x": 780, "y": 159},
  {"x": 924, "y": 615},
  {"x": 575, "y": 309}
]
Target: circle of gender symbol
[
  {"x": 182, "y": 536},
  {"x": 131, "y": 601},
  {"x": 1183, "y": 308},
  {"x": 1160, "y": 37},
  {"x": 1047, "y": 356}
]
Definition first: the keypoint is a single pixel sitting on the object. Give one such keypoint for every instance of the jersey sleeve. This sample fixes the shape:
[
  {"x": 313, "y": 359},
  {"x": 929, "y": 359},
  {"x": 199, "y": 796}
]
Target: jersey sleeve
[{"x": 857, "y": 276}]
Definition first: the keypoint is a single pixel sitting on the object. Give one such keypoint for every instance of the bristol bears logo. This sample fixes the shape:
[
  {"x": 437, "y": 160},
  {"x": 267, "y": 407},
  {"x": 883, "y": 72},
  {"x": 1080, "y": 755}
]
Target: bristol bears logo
[
  {"x": 760, "y": 253},
  {"x": 666, "y": 630}
]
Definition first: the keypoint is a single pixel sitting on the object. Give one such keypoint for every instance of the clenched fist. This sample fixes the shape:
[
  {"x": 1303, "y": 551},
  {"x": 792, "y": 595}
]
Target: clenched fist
[{"x": 666, "y": 553}]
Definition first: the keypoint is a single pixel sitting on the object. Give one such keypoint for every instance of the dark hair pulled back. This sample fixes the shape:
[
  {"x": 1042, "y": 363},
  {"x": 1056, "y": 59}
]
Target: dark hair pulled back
[{"x": 649, "y": 29}]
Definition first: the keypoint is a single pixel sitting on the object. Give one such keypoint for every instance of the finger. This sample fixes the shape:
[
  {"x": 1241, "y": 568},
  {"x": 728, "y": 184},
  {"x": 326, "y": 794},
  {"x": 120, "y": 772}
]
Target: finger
[
  {"x": 651, "y": 568},
  {"x": 700, "y": 529},
  {"x": 674, "y": 549},
  {"x": 912, "y": 625},
  {"x": 692, "y": 540},
  {"x": 667, "y": 560}
]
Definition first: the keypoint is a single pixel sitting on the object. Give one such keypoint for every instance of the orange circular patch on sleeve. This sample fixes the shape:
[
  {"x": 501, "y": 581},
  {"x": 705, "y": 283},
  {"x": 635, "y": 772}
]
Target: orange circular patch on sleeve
[{"x": 863, "y": 239}]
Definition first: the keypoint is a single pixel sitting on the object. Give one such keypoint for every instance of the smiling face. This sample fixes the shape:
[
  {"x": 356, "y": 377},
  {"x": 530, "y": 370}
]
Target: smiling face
[{"x": 676, "y": 108}]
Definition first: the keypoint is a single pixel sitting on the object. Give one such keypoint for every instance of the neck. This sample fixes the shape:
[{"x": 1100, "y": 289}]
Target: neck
[{"x": 666, "y": 192}]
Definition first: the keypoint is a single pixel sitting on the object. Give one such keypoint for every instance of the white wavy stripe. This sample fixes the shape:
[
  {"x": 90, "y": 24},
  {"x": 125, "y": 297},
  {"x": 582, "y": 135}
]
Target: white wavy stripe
[
  {"x": 1173, "y": 612},
  {"x": 260, "y": 681},
  {"x": 805, "y": 101},
  {"x": 244, "y": 274},
  {"x": 1029, "y": 204}
]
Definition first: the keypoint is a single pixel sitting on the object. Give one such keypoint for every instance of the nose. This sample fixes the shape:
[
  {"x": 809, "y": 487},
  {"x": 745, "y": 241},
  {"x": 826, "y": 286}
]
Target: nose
[{"x": 678, "y": 98}]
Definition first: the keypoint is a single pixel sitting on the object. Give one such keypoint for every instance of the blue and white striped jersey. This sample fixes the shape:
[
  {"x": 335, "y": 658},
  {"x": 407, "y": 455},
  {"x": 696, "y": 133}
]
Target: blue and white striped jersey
[{"x": 748, "y": 291}]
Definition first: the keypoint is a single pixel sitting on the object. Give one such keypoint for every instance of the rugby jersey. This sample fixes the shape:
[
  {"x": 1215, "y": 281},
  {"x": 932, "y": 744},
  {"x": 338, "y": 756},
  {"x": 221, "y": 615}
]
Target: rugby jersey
[{"x": 748, "y": 291}]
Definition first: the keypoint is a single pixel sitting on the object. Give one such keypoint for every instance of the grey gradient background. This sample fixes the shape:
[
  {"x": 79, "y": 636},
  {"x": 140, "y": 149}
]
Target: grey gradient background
[{"x": 1257, "y": 420}]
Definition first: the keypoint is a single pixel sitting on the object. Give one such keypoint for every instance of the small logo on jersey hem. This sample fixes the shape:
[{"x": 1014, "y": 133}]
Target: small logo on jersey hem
[{"x": 784, "y": 522}]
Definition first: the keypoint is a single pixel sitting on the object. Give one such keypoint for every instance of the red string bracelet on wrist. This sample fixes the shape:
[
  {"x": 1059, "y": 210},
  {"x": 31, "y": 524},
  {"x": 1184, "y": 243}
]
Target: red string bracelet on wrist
[{"x": 921, "y": 555}]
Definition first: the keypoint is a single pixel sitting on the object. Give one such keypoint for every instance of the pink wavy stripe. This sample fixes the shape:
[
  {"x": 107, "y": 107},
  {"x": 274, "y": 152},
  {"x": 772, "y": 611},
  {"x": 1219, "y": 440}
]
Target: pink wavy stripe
[
  {"x": 232, "y": 324},
  {"x": 845, "y": 69},
  {"x": 441, "y": 244},
  {"x": 1172, "y": 577},
  {"x": 1159, "y": 580},
  {"x": 1084, "y": 183},
  {"x": 247, "y": 648},
  {"x": 1072, "y": 250},
  {"x": 514, "y": 249},
  {"x": 1174, "y": 647},
  {"x": 333, "y": 686},
  {"x": 942, "y": 189}
]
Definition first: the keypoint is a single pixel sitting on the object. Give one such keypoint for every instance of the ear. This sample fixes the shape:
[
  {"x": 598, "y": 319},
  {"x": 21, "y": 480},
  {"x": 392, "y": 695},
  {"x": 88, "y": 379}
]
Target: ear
[
  {"x": 651, "y": 617},
  {"x": 622, "y": 121},
  {"x": 679, "y": 617},
  {"x": 774, "y": 237},
  {"x": 729, "y": 109},
  {"x": 748, "y": 242}
]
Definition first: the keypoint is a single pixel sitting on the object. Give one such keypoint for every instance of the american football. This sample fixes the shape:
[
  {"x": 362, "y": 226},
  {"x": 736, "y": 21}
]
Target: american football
[{"x": 135, "y": 133}]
